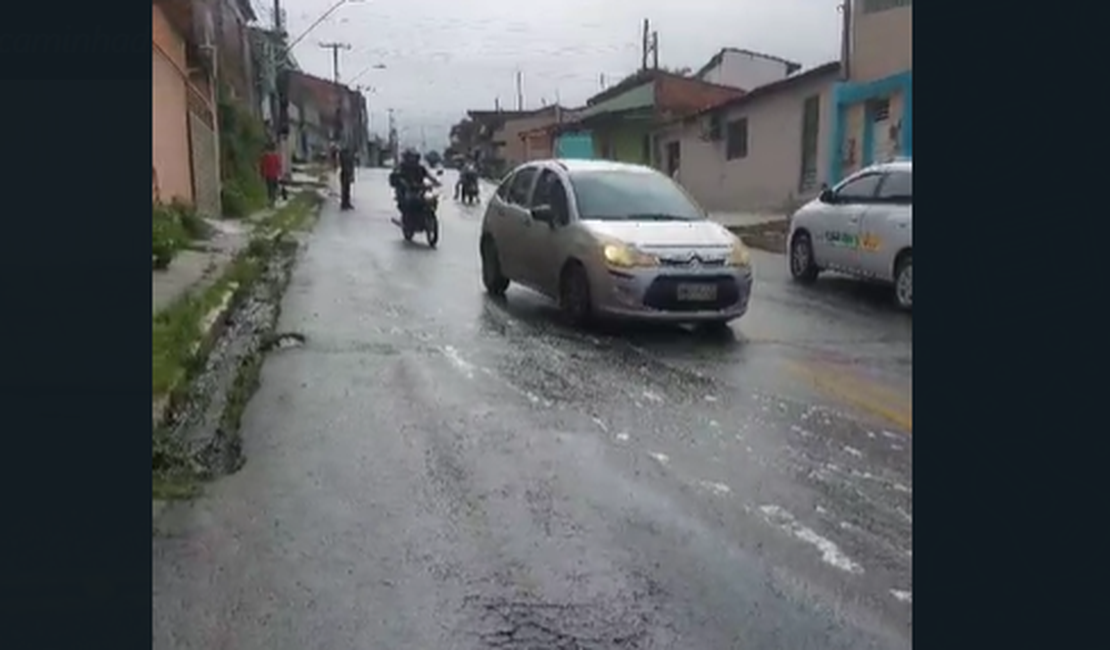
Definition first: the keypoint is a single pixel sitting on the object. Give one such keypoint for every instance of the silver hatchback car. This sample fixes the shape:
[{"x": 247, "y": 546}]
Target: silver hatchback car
[
  {"x": 862, "y": 227},
  {"x": 607, "y": 239}
]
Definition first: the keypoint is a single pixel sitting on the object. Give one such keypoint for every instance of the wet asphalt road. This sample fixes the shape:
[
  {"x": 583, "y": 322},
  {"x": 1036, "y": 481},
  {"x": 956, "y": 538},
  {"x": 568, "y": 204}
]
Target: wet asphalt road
[{"x": 434, "y": 469}]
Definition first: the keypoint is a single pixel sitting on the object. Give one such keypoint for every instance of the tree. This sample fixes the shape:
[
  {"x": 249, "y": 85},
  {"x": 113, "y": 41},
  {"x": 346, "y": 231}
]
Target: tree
[{"x": 433, "y": 157}]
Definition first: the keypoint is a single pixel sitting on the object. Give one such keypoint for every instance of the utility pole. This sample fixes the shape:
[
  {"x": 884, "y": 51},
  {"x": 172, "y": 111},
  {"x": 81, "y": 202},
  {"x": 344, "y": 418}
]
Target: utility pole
[
  {"x": 519, "y": 90},
  {"x": 644, "y": 45},
  {"x": 393, "y": 143},
  {"x": 335, "y": 47},
  {"x": 846, "y": 40},
  {"x": 655, "y": 50},
  {"x": 279, "y": 106}
]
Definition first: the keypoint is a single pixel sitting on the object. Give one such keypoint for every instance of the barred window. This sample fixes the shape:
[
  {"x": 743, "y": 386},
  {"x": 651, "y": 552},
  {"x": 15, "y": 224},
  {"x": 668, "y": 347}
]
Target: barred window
[{"x": 736, "y": 145}]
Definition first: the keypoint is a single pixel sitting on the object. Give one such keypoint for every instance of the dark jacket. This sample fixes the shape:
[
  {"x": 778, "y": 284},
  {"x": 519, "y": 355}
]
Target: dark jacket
[{"x": 412, "y": 175}]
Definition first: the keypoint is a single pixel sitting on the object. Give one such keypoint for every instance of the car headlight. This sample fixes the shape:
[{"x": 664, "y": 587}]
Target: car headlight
[
  {"x": 626, "y": 256},
  {"x": 739, "y": 256}
]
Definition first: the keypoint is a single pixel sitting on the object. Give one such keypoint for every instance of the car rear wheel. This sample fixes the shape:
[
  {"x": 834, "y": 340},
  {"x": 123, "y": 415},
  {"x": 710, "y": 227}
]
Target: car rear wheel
[
  {"x": 802, "y": 265},
  {"x": 495, "y": 281},
  {"x": 903, "y": 282},
  {"x": 574, "y": 296}
]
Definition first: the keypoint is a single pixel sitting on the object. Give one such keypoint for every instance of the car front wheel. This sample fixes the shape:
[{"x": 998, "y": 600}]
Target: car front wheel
[
  {"x": 802, "y": 265},
  {"x": 574, "y": 296},
  {"x": 495, "y": 281}
]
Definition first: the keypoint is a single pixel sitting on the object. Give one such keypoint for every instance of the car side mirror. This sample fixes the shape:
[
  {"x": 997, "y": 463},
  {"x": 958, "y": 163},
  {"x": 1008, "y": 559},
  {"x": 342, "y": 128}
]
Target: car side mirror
[
  {"x": 827, "y": 195},
  {"x": 544, "y": 213}
]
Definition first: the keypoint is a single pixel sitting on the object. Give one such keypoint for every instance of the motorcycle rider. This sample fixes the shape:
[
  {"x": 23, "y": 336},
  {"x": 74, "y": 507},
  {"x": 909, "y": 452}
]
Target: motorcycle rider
[
  {"x": 409, "y": 175},
  {"x": 469, "y": 173}
]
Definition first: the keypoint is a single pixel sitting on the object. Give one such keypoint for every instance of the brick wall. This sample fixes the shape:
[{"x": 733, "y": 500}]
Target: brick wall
[{"x": 680, "y": 95}]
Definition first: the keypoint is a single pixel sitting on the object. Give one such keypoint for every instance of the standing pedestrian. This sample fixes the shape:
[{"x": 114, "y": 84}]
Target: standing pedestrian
[
  {"x": 346, "y": 177},
  {"x": 271, "y": 172}
]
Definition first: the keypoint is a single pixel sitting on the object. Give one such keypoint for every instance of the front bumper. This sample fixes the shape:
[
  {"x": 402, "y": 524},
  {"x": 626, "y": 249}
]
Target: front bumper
[{"x": 653, "y": 294}]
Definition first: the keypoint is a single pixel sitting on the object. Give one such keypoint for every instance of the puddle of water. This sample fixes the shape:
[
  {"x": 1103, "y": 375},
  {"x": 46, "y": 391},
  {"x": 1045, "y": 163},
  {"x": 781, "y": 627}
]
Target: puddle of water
[
  {"x": 720, "y": 489},
  {"x": 830, "y": 552}
]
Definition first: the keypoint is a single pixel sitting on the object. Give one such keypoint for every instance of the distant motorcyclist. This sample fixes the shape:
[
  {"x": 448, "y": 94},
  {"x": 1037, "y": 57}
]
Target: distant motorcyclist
[{"x": 469, "y": 173}]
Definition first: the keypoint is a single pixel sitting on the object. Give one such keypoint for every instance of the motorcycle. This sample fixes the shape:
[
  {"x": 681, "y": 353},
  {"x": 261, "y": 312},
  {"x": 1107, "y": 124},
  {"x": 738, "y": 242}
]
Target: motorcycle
[
  {"x": 469, "y": 188},
  {"x": 420, "y": 215}
]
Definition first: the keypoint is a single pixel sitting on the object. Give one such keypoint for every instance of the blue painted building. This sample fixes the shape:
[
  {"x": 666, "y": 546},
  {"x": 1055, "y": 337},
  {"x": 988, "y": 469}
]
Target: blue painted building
[
  {"x": 872, "y": 117},
  {"x": 579, "y": 144}
]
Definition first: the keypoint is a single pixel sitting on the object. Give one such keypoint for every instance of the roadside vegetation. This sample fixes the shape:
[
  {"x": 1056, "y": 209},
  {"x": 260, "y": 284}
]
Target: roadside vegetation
[
  {"x": 184, "y": 333},
  {"x": 298, "y": 214},
  {"x": 242, "y": 140},
  {"x": 175, "y": 227}
]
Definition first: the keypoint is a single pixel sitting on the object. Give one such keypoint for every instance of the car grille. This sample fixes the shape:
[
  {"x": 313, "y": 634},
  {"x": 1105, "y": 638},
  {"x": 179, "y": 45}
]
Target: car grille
[
  {"x": 688, "y": 262},
  {"x": 663, "y": 293}
]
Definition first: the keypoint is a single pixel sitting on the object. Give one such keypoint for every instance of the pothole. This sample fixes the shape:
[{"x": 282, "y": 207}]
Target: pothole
[
  {"x": 525, "y": 625},
  {"x": 283, "y": 341}
]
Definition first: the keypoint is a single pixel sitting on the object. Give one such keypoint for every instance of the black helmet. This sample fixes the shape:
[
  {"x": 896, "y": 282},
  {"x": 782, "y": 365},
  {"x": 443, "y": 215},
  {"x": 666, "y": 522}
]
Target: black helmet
[{"x": 410, "y": 156}]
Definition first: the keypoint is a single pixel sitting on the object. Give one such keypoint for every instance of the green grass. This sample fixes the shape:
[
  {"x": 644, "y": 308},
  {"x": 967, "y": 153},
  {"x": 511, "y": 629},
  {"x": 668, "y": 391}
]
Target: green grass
[
  {"x": 298, "y": 214},
  {"x": 175, "y": 227},
  {"x": 176, "y": 330}
]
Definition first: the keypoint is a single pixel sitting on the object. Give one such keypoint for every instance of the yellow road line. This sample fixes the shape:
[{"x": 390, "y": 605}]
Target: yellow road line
[{"x": 865, "y": 395}]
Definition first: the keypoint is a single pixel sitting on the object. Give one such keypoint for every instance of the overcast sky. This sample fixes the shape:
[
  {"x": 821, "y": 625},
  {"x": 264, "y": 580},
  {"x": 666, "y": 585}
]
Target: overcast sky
[{"x": 445, "y": 57}]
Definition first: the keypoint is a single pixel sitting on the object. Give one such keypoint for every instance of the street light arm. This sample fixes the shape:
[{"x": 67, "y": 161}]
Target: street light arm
[{"x": 322, "y": 18}]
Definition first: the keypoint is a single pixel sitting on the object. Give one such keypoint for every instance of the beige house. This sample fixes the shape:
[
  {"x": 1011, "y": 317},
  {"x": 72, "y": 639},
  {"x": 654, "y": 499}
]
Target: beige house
[
  {"x": 873, "y": 107},
  {"x": 758, "y": 153}
]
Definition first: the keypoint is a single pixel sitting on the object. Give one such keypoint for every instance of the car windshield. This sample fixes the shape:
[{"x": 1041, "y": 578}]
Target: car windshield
[{"x": 625, "y": 195}]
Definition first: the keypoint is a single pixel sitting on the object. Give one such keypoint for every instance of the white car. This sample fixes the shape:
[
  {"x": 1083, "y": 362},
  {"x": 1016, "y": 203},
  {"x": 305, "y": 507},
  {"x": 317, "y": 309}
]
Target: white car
[
  {"x": 613, "y": 240},
  {"x": 863, "y": 227}
]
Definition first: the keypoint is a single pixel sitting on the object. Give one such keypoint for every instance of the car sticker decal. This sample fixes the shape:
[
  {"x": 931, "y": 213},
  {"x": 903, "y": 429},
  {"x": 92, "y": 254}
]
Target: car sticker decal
[
  {"x": 842, "y": 239},
  {"x": 870, "y": 242}
]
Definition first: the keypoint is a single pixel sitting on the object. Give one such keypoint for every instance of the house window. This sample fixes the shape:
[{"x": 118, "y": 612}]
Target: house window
[
  {"x": 878, "y": 109},
  {"x": 606, "y": 149},
  {"x": 875, "y": 6},
  {"x": 737, "y": 145},
  {"x": 674, "y": 158},
  {"x": 714, "y": 128},
  {"x": 811, "y": 121}
]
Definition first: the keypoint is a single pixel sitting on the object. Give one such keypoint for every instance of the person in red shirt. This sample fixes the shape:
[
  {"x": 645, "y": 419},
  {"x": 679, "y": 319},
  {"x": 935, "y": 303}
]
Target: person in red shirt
[{"x": 271, "y": 172}]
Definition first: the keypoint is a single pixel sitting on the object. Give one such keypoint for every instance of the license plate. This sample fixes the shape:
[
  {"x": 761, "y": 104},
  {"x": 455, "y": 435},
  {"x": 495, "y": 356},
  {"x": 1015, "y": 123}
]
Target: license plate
[{"x": 697, "y": 292}]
